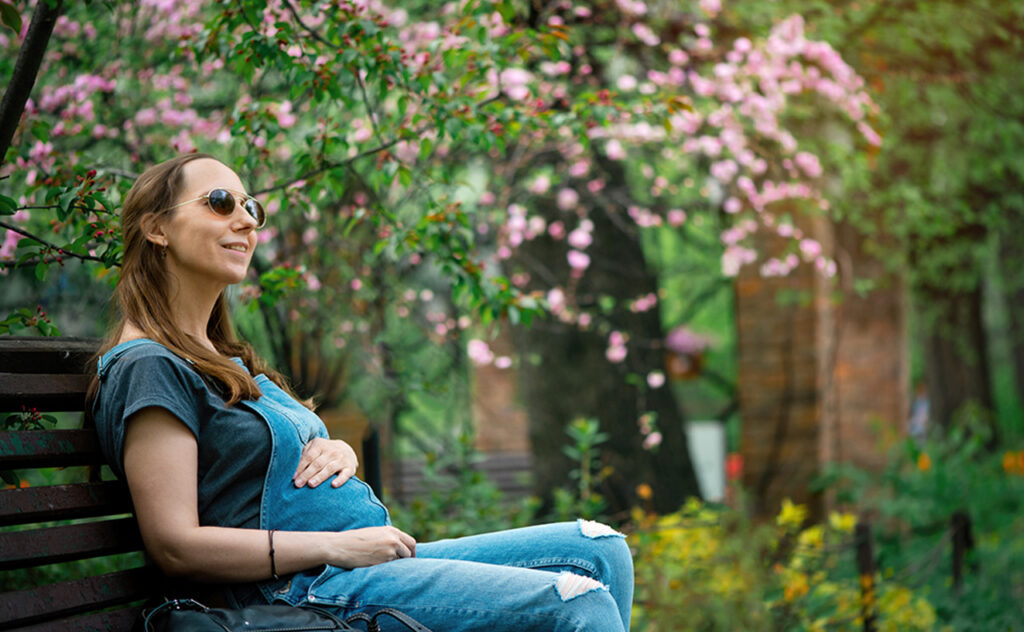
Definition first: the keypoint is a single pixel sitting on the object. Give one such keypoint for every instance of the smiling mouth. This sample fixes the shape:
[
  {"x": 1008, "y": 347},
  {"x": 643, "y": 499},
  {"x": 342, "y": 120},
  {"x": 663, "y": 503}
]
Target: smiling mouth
[{"x": 237, "y": 248}]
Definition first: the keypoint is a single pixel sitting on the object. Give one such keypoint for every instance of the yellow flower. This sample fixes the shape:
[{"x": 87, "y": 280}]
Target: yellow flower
[
  {"x": 644, "y": 491},
  {"x": 791, "y": 515},
  {"x": 844, "y": 522},
  {"x": 796, "y": 587},
  {"x": 811, "y": 538},
  {"x": 924, "y": 462}
]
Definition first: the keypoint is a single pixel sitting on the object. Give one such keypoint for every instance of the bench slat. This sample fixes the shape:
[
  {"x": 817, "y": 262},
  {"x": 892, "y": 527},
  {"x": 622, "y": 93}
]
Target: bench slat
[
  {"x": 58, "y": 502},
  {"x": 35, "y": 547},
  {"x": 56, "y": 601},
  {"x": 48, "y": 448},
  {"x": 115, "y": 621},
  {"x": 43, "y": 391},
  {"x": 47, "y": 355}
]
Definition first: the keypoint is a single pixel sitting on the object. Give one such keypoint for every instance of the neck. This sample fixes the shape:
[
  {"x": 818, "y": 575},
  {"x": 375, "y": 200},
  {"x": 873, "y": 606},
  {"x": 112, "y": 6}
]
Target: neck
[{"x": 191, "y": 309}]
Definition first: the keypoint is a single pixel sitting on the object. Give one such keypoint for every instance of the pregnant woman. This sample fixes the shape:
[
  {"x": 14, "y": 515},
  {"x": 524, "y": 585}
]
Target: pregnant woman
[{"x": 235, "y": 482}]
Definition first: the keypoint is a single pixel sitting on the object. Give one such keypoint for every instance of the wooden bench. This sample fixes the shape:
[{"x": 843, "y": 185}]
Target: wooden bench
[{"x": 70, "y": 552}]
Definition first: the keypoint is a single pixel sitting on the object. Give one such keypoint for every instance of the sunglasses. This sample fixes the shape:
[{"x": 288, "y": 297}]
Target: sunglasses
[{"x": 222, "y": 202}]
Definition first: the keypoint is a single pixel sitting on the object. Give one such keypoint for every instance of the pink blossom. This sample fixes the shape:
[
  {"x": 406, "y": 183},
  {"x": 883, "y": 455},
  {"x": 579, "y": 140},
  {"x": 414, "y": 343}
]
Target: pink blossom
[
  {"x": 567, "y": 199},
  {"x": 595, "y": 185},
  {"x": 580, "y": 239},
  {"x": 809, "y": 163},
  {"x": 652, "y": 440},
  {"x": 540, "y": 185},
  {"x": 356, "y": 285},
  {"x": 724, "y": 170},
  {"x": 479, "y": 352},
  {"x": 502, "y": 362},
  {"x": 10, "y": 245},
  {"x": 556, "y": 230},
  {"x": 645, "y": 34},
  {"x": 655, "y": 379},
  {"x": 556, "y": 300},
  {"x": 614, "y": 150},
  {"x": 678, "y": 57},
  {"x": 676, "y": 217},
  {"x": 810, "y": 248},
  {"x": 626, "y": 83},
  {"x": 684, "y": 341},
  {"x": 734, "y": 258},
  {"x": 869, "y": 134},
  {"x": 732, "y": 205},
  {"x": 615, "y": 354},
  {"x": 363, "y": 134},
  {"x": 579, "y": 168},
  {"x": 578, "y": 260}
]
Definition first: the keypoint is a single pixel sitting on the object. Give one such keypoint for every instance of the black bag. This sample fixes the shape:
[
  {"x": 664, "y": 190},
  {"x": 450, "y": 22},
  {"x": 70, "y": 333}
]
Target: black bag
[{"x": 188, "y": 615}]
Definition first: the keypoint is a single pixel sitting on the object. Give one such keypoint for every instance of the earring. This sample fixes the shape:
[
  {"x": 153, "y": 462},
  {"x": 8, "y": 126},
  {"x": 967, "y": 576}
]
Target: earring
[{"x": 163, "y": 252}]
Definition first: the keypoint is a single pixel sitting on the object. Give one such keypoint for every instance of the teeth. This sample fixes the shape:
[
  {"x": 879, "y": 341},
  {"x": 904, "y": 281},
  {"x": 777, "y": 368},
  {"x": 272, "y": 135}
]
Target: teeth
[{"x": 237, "y": 247}]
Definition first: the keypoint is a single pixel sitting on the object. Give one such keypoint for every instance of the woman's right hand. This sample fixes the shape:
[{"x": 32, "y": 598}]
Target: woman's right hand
[{"x": 370, "y": 546}]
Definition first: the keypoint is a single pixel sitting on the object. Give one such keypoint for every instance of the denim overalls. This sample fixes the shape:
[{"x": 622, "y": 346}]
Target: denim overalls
[
  {"x": 565, "y": 577},
  {"x": 283, "y": 506}
]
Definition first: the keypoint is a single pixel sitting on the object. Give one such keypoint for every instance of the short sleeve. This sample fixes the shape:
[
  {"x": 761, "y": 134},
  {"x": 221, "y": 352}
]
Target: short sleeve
[{"x": 146, "y": 375}]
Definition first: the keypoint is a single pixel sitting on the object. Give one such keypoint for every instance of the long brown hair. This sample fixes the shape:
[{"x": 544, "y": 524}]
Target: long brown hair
[{"x": 143, "y": 300}]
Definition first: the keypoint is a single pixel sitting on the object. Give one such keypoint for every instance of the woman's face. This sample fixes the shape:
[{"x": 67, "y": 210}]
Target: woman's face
[{"x": 203, "y": 247}]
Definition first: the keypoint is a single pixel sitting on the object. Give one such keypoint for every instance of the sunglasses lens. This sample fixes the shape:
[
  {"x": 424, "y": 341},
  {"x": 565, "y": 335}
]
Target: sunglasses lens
[
  {"x": 222, "y": 202},
  {"x": 255, "y": 209}
]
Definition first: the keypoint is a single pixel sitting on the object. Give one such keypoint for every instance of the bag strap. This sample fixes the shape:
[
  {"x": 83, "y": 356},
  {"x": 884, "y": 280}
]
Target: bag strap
[
  {"x": 373, "y": 626},
  {"x": 175, "y": 604}
]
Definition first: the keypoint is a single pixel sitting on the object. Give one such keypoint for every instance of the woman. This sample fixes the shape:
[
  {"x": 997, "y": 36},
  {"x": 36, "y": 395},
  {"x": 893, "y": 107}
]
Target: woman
[{"x": 228, "y": 472}]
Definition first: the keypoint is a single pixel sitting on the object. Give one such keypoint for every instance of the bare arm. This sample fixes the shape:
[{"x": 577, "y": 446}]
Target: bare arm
[{"x": 161, "y": 463}]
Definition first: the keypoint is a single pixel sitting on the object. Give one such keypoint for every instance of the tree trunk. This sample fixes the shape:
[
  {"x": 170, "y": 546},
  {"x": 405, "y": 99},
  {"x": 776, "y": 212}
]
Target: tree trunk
[
  {"x": 573, "y": 377},
  {"x": 1011, "y": 262},
  {"x": 955, "y": 353},
  {"x": 25, "y": 70}
]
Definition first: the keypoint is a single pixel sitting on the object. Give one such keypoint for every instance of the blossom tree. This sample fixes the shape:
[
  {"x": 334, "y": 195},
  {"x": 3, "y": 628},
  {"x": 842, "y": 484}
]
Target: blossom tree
[{"x": 520, "y": 157}]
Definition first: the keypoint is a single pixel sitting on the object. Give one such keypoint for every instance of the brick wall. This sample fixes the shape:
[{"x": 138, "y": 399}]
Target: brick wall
[{"x": 822, "y": 372}]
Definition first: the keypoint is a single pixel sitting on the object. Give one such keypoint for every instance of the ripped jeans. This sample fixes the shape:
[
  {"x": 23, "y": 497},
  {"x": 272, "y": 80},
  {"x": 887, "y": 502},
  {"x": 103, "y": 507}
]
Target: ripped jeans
[{"x": 557, "y": 577}]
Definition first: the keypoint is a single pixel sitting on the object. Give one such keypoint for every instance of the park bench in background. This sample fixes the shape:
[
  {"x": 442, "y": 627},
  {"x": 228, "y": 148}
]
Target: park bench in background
[{"x": 70, "y": 551}]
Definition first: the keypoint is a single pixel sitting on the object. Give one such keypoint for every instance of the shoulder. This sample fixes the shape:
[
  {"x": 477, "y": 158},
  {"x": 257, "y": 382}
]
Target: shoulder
[
  {"x": 137, "y": 350},
  {"x": 149, "y": 363}
]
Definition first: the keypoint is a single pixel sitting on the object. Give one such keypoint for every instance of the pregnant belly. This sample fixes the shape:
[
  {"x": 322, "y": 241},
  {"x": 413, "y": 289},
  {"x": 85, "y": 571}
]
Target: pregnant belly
[{"x": 323, "y": 508}]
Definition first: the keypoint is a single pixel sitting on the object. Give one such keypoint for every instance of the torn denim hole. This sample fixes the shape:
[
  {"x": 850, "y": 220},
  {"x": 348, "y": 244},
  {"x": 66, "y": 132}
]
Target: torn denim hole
[
  {"x": 593, "y": 530},
  {"x": 570, "y": 585}
]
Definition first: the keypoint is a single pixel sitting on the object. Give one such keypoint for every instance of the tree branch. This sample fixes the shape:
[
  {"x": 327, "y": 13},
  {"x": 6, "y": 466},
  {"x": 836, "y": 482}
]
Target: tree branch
[
  {"x": 61, "y": 250},
  {"x": 25, "y": 70}
]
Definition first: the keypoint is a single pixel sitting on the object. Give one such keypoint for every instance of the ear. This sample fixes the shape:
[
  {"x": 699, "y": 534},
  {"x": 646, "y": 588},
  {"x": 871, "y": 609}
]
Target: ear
[{"x": 153, "y": 228}]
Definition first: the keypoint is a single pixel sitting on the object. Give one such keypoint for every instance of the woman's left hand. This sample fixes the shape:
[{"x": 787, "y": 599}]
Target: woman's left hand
[{"x": 323, "y": 458}]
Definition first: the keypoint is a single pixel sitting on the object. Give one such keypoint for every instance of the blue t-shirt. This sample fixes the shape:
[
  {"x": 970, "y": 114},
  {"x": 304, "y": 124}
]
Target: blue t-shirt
[{"x": 234, "y": 443}]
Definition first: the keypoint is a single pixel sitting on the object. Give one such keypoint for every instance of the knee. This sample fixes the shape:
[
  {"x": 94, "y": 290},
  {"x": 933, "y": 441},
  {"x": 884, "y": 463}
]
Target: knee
[
  {"x": 610, "y": 545},
  {"x": 587, "y": 604}
]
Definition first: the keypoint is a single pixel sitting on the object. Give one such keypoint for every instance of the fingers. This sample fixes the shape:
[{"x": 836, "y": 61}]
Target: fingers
[
  {"x": 322, "y": 459},
  {"x": 343, "y": 475},
  {"x": 404, "y": 544},
  {"x": 409, "y": 542}
]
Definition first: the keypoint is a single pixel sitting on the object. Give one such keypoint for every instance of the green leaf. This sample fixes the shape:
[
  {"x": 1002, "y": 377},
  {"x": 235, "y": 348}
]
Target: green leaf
[
  {"x": 7, "y": 205},
  {"x": 41, "y": 268},
  {"x": 10, "y": 17},
  {"x": 65, "y": 202}
]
